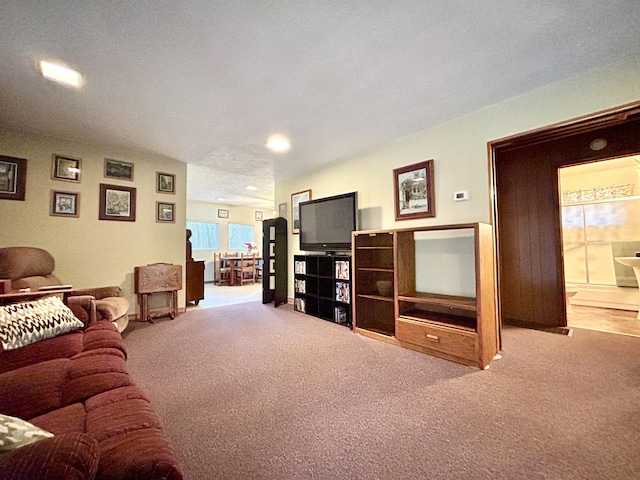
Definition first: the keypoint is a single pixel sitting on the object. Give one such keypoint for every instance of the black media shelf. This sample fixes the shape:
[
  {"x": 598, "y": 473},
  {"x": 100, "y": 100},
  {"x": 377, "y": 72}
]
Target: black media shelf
[{"x": 322, "y": 287}]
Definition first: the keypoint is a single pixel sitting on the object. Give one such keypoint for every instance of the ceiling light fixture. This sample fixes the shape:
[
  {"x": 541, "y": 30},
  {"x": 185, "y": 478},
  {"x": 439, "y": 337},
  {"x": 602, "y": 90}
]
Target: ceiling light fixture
[
  {"x": 60, "y": 74},
  {"x": 220, "y": 199},
  {"x": 251, "y": 188},
  {"x": 278, "y": 143}
]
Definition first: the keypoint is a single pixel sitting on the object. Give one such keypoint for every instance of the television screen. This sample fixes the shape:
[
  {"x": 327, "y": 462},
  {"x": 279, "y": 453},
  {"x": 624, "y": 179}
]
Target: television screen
[{"x": 326, "y": 224}]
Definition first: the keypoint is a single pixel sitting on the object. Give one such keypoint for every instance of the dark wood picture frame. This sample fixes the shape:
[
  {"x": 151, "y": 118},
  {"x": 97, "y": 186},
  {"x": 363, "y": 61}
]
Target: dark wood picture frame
[
  {"x": 118, "y": 169},
  {"x": 64, "y": 204},
  {"x": 13, "y": 178},
  {"x": 165, "y": 212},
  {"x": 117, "y": 203},
  {"x": 223, "y": 213},
  {"x": 414, "y": 191},
  {"x": 296, "y": 198},
  {"x": 165, "y": 183},
  {"x": 66, "y": 169}
]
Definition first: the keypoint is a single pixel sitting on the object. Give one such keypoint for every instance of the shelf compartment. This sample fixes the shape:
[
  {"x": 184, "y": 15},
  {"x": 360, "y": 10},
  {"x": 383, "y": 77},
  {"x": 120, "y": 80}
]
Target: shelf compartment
[
  {"x": 375, "y": 258},
  {"x": 458, "y": 322},
  {"x": 368, "y": 282},
  {"x": 377, "y": 297},
  {"x": 381, "y": 239},
  {"x": 449, "y": 302},
  {"x": 375, "y": 315}
]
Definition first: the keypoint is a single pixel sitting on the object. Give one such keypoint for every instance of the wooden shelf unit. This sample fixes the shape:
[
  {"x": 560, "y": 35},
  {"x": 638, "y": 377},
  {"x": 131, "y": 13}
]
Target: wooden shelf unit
[
  {"x": 274, "y": 261},
  {"x": 459, "y": 328}
]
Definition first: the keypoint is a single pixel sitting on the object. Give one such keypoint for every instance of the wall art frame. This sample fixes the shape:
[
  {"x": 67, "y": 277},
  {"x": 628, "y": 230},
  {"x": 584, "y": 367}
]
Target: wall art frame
[
  {"x": 117, "y": 203},
  {"x": 118, "y": 169},
  {"x": 165, "y": 212},
  {"x": 296, "y": 198},
  {"x": 223, "y": 213},
  {"x": 165, "y": 183},
  {"x": 258, "y": 216},
  {"x": 64, "y": 204},
  {"x": 66, "y": 169},
  {"x": 282, "y": 210},
  {"x": 13, "y": 178},
  {"x": 414, "y": 191}
]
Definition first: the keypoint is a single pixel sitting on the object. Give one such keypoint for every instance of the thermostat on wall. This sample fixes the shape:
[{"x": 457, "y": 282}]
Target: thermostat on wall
[{"x": 460, "y": 196}]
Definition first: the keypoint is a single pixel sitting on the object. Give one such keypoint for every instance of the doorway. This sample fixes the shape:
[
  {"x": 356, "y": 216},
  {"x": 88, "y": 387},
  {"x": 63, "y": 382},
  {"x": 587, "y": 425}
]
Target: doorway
[
  {"x": 526, "y": 208},
  {"x": 600, "y": 214}
]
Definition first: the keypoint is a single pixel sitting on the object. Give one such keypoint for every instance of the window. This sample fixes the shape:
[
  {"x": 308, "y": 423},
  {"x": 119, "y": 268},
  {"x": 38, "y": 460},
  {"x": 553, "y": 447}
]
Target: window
[
  {"x": 204, "y": 235},
  {"x": 240, "y": 235}
]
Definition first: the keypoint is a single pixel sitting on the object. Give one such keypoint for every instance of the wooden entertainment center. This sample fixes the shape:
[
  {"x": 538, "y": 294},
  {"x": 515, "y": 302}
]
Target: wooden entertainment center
[{"x": 394, "y": 272}]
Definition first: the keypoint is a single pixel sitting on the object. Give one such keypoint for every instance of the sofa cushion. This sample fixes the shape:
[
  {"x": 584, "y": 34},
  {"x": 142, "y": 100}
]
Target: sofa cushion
[
  {"x": 69, "y": 419},
  {"x": 62, "y": 346},
  {"x": 15, "y": 433},
  {"x": 28, "y": 322},
  {"x": 63, "y": 457}
]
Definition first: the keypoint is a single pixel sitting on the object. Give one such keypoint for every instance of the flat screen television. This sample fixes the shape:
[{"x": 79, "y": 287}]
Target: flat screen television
[{"x": 326, "y": 224}]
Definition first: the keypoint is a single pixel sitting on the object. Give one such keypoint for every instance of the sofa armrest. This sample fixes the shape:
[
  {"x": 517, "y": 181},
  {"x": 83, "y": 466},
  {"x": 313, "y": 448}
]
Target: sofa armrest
[
  {"x": 72, "y": 456},
  {"x": 101, "y": 292},
  {"x": 86, "y": 303}
]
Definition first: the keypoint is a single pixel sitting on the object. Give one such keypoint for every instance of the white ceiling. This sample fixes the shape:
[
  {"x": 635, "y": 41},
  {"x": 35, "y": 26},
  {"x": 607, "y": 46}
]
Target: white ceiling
[{"x": 206, "y": 82}]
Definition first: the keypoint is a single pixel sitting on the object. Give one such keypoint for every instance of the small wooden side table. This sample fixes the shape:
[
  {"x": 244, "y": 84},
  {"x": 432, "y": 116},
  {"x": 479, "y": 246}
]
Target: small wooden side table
[{"x": 157, "y": 278}]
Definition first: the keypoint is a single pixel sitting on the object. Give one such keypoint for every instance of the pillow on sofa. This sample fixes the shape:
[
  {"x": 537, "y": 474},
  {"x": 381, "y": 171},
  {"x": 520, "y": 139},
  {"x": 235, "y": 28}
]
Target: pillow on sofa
[
  {"x": 15, "y": 433},
  {"x": 30, "y": 322}
]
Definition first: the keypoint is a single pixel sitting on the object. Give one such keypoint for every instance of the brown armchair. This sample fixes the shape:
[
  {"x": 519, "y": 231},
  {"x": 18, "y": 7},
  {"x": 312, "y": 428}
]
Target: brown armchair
[{"x": 30, "y": 267}]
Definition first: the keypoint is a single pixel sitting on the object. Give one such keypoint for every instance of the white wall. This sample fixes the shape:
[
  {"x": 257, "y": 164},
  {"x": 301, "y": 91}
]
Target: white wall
[
  {"x": 459, "y": 150},
  {"x": 91, "y": 252},
  {"x": 208, "y": 212}
]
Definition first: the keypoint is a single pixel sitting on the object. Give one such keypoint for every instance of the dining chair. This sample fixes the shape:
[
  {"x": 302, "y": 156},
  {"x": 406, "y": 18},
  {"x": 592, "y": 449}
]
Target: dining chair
[
  {"x": 222, "y": 269},
  {"x": 245, "y": 271}
]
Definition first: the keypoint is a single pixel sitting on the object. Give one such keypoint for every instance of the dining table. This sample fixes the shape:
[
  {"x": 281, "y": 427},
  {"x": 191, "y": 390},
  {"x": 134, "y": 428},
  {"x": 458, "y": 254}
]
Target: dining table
[{"x": 232, "y": 261}]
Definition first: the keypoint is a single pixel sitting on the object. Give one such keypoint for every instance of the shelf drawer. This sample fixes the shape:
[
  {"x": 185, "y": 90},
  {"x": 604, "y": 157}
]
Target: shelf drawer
[{"x": 451, "y": 341}]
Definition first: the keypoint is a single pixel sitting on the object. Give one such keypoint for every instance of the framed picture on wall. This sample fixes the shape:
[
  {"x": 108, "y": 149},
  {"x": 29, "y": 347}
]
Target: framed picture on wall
[
  {"x": 222, "y": 213},
  {"x": 258, "y": 216},
  {"x": 117, "y": 203},
  {"x": 165, "y": 183},
  {"x": 296, "y": 198},
  {"x": 65, "y": 168},
  {"x": 165, "y": 212},
  {"x": 414, "y": 191},
  {"x": 65, "y": 204},
  {"x": 118, "y": 169},
  {"x": 282, "y": 210},
  {"x": 13, "y": 178}
]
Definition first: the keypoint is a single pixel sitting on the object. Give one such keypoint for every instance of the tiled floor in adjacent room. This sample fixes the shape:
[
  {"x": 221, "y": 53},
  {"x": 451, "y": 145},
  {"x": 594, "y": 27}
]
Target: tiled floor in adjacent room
[{"x": 604, "y": 319}]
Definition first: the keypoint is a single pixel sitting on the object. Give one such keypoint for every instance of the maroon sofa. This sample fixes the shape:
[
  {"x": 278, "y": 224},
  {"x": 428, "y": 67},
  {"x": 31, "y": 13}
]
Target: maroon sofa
[{"x": 76, "y": 386}]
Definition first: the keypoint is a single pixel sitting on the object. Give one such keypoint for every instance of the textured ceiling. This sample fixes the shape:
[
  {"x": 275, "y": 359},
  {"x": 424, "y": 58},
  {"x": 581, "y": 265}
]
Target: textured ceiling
[{"x": 206, "y": 82}]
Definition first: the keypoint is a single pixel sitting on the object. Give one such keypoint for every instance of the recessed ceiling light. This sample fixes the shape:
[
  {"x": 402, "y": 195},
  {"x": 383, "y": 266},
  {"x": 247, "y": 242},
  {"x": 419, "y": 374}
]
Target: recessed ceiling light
[
  {"x": 220, "y": 199},
  {"x": 278, "y": 143},
  {"x": 251, "y": 188},
  {"x": 60, "y": 74}
]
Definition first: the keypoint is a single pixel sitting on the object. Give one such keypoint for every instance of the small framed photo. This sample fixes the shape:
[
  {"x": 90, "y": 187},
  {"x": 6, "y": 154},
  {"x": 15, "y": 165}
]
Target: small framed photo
[
  {"x": 165, "y": 212},
  {"x": 66, "y": 169},
  {"x": 65, "y": 204},
  {"x": 414, "y": 191},
  {"x": 258, "y": 216},
  {"x": 165, "y": 183},
  {"x": 117, "y": 203},
  {"x": 118, "y": 169},
  {"x": 13, "y": 178},
  {"x": 296, "y": 198},
  {"x": 222, "y": 213},
  {"x": 282, "y": 210}
]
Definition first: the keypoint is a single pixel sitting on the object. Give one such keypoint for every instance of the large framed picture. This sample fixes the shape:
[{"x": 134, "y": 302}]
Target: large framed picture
[
  {"x": 165, "y": 212},
  {"x": 414, "y": 191},
  {"x": 118, "y": 169},
  {"x": 65, "y": 168},
  {"x": 117, "y": 203},
  {"x": 165, "y": 183},
  {"x": 13, "y": 178},
  {"x": 65, "y": 204},
  {"x": 296, "y": 198}
]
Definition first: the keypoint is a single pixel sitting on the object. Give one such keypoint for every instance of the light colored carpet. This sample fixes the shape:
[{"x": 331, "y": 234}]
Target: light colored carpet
[{"x": 249, "y": 391}]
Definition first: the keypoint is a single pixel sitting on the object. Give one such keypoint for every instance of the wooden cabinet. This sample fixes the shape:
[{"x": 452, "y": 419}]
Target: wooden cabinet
[
  {"x": 322, "y": 287},
  {"x": 195, "y": 281},
  {"x": 431, "y": 289},
  {"x": 275, "y": 262}
]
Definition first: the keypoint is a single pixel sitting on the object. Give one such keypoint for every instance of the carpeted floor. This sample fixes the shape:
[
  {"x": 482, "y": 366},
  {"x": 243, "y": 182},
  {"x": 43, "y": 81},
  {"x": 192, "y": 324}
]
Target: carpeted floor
[{"x": 249, "y": 391}]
